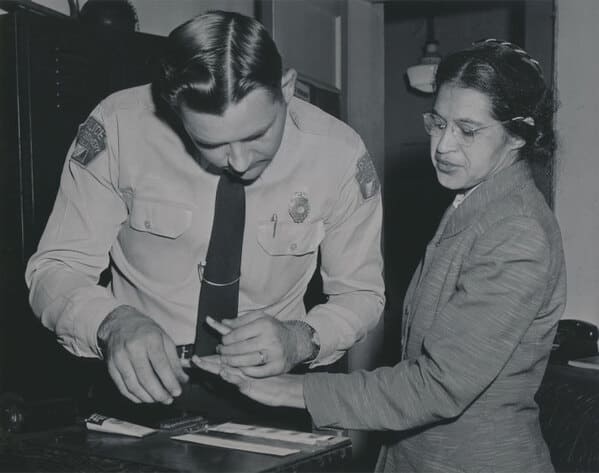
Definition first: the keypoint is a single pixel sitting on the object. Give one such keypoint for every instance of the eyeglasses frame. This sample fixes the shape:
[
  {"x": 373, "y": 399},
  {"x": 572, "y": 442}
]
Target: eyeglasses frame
[{"x": 471, "y": 133}]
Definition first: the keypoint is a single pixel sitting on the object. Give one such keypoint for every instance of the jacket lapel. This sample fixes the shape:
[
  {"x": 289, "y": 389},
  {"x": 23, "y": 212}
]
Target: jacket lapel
[{"x": 501, "y": 184}]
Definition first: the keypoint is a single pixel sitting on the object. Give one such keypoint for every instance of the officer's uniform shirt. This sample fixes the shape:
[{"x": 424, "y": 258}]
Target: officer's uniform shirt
[{"x": 130, "y": 189}]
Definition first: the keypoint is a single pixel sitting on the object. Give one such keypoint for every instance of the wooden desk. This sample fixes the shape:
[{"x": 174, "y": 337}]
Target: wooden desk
[{"x": 73, "y": 449}]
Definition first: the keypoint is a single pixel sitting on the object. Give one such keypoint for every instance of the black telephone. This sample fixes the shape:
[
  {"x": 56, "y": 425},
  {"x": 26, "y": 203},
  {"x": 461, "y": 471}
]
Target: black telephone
[{"x": 574, "y": 339}]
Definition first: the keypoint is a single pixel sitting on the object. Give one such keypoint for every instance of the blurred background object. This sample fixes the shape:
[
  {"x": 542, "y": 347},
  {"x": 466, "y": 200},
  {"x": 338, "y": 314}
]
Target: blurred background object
[
  {"x": 119, "y": 14},
  {"x": 422, "y": 75}
]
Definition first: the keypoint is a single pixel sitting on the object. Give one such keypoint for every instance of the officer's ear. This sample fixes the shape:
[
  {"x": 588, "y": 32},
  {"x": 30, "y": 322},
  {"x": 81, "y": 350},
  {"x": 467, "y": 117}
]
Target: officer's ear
[{"x": 288, "y": 84}]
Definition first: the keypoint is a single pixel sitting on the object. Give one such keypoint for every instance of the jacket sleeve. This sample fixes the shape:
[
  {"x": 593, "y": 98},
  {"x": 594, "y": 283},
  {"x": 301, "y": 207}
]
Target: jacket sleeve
[
  {"x": 351, "y": 263},
  {"x": 63, "y": 274},
  {"x": 500, "y": 291}
]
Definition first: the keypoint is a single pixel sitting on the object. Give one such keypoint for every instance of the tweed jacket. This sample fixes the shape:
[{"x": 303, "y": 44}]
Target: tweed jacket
[{"x": 479, "y": 319}]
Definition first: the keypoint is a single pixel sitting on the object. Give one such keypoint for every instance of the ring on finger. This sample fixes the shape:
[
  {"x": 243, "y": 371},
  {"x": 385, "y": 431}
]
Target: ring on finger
[{"x": 262, "y": 358}]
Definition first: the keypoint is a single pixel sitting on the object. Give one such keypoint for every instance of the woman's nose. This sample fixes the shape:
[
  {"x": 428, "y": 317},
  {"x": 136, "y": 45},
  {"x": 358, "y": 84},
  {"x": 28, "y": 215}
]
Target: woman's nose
[{"x": 447, "y": 140}]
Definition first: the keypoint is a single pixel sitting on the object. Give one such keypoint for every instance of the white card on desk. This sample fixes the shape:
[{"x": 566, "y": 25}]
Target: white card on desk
[
  {"x": 236, "y": 444},
  {"x": 102, "y": 423},
  {"x": 270, "y": 433}
]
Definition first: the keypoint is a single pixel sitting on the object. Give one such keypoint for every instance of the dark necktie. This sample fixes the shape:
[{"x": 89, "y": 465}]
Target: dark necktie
[{"x": 219, "y": 293}]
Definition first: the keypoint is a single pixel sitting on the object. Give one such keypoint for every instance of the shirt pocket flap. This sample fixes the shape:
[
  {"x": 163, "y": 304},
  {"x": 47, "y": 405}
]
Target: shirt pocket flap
[
  {"x": 290, "y": 238},
  {"x": 165, "y": 219}
]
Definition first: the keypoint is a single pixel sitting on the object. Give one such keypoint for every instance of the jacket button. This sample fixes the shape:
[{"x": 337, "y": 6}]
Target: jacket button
[
  {"x": 293, "y": 247},
  {"x": 147, "y": 224}
]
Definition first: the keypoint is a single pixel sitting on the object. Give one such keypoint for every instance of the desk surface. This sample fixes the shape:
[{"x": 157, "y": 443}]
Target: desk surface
[{"x": 76, "y": 449}]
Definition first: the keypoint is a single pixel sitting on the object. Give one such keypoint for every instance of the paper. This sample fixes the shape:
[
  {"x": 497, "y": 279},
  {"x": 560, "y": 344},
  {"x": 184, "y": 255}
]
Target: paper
[
  {"x": 270, "y": 433},
  {"x": 236, "y": 444},
  {"x": 101, "y": 423}
]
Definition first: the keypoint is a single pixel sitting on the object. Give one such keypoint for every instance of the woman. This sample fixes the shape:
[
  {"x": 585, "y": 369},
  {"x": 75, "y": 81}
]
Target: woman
[{"x": 482, "y": 307}]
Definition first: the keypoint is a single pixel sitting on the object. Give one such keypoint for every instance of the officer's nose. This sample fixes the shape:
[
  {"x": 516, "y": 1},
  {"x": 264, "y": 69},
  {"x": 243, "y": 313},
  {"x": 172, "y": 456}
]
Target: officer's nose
[{"x": 238, "y": 159}]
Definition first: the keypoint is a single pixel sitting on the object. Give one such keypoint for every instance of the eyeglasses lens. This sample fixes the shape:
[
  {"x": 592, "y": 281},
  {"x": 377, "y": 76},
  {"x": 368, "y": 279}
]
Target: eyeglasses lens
[{"x": 434, "y": 125}]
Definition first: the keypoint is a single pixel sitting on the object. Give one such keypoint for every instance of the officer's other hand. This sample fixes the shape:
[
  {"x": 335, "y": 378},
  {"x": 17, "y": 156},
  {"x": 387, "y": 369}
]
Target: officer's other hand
[
  {"x": 142, "y": 359},
  {"x": 259, "y": 345}
]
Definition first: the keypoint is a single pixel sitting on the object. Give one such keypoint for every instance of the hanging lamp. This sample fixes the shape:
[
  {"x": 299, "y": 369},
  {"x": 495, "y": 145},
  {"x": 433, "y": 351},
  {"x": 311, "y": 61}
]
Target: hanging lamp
[{"x": 422, "y": 76}]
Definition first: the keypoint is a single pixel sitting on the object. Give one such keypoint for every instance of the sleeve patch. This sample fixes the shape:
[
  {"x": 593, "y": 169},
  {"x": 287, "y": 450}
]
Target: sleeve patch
[
  {"x": 91, "y": 140},
  {"x": 367, "y": 177}
]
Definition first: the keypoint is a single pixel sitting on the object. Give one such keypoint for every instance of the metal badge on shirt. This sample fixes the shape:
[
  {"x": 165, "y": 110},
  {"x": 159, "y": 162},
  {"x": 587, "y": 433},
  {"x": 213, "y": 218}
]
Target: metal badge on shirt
[
  {"x": 367, "y": 177},
  {"x": 91, "y": 140},
  {"x": 299, "y": 207}
]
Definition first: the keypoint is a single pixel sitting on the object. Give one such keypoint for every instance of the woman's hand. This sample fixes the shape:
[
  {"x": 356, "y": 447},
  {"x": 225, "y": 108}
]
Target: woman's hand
[{"x": 285, "y": 390}]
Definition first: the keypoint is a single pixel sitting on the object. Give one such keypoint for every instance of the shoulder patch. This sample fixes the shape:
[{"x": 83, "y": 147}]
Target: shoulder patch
[
  {"x": 91, "y": 140},
  {"x": 367, "y": 177}
]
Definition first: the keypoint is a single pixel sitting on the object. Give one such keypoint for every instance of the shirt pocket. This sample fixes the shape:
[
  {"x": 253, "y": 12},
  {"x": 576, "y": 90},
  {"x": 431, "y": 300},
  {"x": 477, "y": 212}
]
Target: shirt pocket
[
  {"x": 165, "y": 219},
  {"x": 290, "y": 239}
]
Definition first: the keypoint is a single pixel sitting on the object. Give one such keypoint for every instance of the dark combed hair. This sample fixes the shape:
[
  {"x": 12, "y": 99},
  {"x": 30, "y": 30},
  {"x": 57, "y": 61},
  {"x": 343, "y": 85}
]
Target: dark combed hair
[
  {"x": 215, "y": 60},
  {"x": 515, "y": 85}
]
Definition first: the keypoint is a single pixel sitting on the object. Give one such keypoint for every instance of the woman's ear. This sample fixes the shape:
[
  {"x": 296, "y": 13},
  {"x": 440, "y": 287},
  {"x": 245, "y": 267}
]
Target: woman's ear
[
  {"x": 288, "y": 84},
  {"x": 516, "y": 143}
]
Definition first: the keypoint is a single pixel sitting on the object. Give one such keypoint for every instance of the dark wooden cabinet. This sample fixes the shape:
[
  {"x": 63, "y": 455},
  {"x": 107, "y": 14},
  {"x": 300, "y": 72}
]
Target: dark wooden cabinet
[{"x": 53, "y": 71}]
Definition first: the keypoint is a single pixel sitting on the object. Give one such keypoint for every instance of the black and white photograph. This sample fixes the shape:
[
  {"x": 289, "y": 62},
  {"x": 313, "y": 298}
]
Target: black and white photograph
[{"x": 251, "y": 236}]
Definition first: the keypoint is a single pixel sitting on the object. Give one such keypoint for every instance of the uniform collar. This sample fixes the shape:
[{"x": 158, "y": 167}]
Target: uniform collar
[{"x": 501, "y": 184}]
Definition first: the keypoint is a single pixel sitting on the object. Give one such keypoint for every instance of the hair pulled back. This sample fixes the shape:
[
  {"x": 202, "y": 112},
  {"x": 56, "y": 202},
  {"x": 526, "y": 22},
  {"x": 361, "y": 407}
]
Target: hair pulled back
[{"x": 514, "y": 83}]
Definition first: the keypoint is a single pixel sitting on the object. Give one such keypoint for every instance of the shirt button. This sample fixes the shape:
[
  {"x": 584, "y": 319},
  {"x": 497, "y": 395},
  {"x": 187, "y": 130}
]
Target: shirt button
[
  {"x": 293, "y": 247},
  {"x": 147, "y": 224}
]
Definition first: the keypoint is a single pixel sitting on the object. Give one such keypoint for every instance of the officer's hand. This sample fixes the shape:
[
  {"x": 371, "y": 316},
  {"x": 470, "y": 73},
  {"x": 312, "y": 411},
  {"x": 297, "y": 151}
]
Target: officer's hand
[
  {"x": 284, "y": 390},
  {"x": 260, "y": 345},
  {"x": 142, "y": 359}
]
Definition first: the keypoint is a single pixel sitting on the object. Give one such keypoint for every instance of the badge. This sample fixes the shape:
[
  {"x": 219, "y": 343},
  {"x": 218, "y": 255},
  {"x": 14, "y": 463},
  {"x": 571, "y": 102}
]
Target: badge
[
  {"x": 299, "y": 207},
  {"x": 91, "y": 140},
  {"x": 366, "y": 177}
]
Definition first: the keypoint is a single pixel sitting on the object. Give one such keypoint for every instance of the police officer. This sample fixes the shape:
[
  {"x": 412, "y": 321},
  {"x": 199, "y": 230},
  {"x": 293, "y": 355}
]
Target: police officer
[{"x": 137, "y": 193}]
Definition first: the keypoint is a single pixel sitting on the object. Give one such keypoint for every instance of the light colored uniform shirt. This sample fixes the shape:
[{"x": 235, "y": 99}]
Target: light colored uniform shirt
[{"x": 132, "y": 193}]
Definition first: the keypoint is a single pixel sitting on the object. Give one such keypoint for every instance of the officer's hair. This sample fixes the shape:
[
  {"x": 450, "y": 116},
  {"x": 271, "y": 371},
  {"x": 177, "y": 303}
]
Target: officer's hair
[
  {"x": 215, "y": 60},
  {"x": 514, "y": 83}
]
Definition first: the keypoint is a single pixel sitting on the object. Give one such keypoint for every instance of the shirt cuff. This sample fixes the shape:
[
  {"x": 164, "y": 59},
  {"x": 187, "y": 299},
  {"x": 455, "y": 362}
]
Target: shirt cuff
[
  {"x": 84, "y": 327},
  {"x": 327, "y": 330}
]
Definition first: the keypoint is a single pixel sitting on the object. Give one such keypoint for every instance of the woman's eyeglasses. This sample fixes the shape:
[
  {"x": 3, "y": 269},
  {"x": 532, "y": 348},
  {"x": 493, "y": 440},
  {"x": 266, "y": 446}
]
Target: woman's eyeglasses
[{"x": 435, "y": 125}]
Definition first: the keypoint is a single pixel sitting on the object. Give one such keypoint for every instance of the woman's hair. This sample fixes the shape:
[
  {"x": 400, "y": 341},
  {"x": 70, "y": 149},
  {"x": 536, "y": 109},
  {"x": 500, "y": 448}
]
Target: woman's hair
[
  {"x": 513, "y": 81},
  {"x": 215, "y": 60}
]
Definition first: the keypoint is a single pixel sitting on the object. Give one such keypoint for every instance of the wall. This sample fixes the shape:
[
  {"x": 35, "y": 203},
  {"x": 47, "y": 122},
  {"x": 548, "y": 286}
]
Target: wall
[
  {"x": 364, "y": 76},
  {"x": 59, "y": 5},
  {"x": 159, "y": 17},
  {"x": 577, "y": 191}
]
